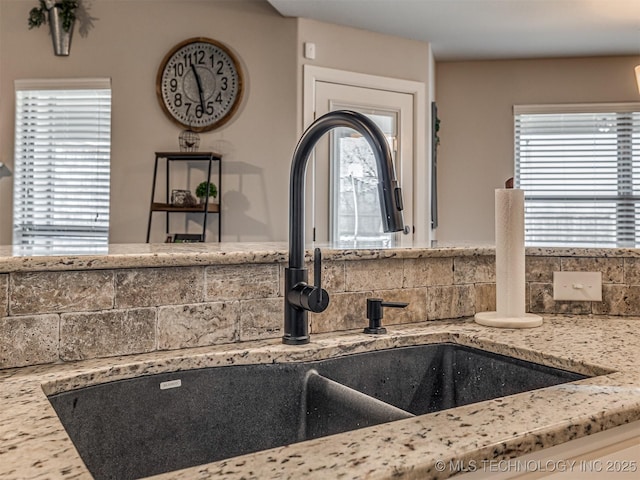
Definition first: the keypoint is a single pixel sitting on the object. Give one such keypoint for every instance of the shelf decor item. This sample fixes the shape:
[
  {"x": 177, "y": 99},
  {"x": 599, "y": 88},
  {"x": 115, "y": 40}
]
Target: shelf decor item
[
  {"x": 201, "y": 191},
  {"x": 187, "y": 238},
  {"x": 61, "y": 16},
  {"x": 182, "y": 198},
  {"x": 189, "y": 141}
]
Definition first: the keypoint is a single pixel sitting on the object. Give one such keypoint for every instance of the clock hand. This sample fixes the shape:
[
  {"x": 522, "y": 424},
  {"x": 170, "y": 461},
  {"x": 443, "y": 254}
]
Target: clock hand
[{"x": 199, "y": 82}]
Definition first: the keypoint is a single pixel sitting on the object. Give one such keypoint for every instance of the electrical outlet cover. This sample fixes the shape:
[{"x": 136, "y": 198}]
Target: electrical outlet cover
[{"x": 577, "y": 286}]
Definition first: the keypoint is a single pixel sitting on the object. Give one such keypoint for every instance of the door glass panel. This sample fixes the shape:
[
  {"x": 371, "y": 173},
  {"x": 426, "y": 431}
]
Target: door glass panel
[{"x": 355, "y": 219}]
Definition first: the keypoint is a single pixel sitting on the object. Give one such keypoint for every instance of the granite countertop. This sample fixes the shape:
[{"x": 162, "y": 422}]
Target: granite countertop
[
  {"x": 24, "y": 259},
  {"x": 34, "y": 445}
]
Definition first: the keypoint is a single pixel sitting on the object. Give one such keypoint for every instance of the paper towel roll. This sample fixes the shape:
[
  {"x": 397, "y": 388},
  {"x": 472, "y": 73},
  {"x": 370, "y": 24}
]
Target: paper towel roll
[
  {"x": 510, "y": 264},
  {"x": 510, "y": 281}
]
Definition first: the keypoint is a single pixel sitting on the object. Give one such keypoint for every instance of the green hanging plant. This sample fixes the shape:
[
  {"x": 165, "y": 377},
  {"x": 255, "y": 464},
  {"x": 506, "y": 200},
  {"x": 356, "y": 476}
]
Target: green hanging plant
[{"x": 38, "y": 15}]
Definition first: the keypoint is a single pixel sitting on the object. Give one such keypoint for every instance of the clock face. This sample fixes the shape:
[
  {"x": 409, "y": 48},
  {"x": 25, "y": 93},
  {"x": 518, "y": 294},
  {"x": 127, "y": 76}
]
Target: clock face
[{"x": 199, "y": 84}]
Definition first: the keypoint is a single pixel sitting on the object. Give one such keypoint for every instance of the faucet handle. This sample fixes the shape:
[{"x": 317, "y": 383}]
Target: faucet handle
[
  {"x": 312, "y": 298},
  {"x": 318, "y": 299},
  {"x": 374, "y": 314},
  {"x": 317, "y": 270}
]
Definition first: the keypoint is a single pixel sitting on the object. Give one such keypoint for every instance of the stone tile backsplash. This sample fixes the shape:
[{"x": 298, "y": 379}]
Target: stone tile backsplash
[
  {"x": 233, "y": 282},
  {"x": 151, "y": 287},
  {"x": 71, "y": 315},
  {"x": 48, "y": 292},
  {"x": 631, "y": 271},
  {"x": 261, "y": 318},
  {"x": 612, "y": 268},
  {"x": 471, "y": 270},
  {"x": 346, "y": 311},
  {"x": 108, "y": 333},
  {"x": 418, "y": 273},
  {"x": 4, "y": 294},
  {"x": 384, "y": 274},
  {"x": 450, "y": 301},
  {"x": 29, "y": 340},
  {"x": 197, "y": 325},
  {"x": 541, "y": 298}
]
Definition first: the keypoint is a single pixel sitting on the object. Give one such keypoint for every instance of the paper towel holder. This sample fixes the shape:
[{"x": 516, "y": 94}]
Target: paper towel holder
[{"x": 510, "y": 264}]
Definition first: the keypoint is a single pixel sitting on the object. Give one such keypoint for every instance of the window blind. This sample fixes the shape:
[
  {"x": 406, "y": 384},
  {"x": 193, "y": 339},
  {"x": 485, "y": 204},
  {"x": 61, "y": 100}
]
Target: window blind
[
  {"x": 580, "y": 169},
  {"x": 62, "y": 163}
]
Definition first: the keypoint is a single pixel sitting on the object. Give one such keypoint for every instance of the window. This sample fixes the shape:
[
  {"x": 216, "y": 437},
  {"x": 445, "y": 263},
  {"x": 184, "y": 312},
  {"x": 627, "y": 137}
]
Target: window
[
  {"x": 579, "y": 166},
  {"x": 62, "y": 164}
]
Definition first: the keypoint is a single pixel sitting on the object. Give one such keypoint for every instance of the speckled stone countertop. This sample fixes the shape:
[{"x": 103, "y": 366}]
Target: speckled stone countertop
[
  {"x": 24, "y": 259},
  {"x": 34, "y": 445}
]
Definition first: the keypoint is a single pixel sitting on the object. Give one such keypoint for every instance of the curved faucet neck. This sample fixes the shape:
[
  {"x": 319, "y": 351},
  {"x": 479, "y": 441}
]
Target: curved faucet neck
[{"x": 390, "y": 197}]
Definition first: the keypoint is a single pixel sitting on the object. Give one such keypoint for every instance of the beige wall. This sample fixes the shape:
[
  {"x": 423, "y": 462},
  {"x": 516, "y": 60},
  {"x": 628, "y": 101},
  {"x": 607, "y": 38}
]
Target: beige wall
[
  {"x": 475, "y": 101},
  {"x": 361, "y": 51},
  {"x": 127, "y": 43}
]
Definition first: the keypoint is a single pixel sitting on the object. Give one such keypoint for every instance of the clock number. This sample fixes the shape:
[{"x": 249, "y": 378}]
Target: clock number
[
  {"x": 177, "y": 99},
  {"x": 196, "y": 57},
  {"x": 208, "y": 110},
  {"x": 219, "y": 98},
  {"x": 188, "y": 104},
  {"x": 219, "y": 64},
  {"x": 224, "y": 84},
  {"x": 178, "y": 69},
  {"x": 174, "y": 85}
]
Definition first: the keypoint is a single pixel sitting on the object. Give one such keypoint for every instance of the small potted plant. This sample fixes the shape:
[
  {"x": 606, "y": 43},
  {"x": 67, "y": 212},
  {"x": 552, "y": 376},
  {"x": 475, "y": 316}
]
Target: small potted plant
[
  {"x": 61, "y": 16},
  {"x": 201, "y": 191}
]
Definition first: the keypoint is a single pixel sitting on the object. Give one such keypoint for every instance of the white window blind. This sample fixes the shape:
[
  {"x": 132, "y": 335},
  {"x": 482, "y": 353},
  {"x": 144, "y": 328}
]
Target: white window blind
[
  {"x": 62, "y": 164},
  {"x": 579, "y": 166}
]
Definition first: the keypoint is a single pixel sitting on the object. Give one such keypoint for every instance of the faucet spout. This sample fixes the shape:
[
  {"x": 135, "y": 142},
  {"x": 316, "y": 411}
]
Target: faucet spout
[{"x": 296, "y": 324}]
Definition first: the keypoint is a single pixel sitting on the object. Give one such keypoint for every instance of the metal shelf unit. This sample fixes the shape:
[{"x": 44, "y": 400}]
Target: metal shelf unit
[{"x": 205, "y": 209}]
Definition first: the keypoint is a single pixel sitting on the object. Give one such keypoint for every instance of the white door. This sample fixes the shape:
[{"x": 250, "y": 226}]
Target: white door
[{"x": 345, "y": 200}]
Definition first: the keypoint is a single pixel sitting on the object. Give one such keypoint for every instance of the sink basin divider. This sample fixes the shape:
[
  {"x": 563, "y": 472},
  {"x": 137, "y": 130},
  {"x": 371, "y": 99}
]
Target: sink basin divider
[{"x": 357, "y": 407}]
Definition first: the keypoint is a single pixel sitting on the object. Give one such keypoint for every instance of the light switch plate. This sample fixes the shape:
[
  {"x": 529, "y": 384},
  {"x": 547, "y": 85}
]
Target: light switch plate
[
  {"x": 310, "y": 50},
  {"x": 577, "y": 286}
]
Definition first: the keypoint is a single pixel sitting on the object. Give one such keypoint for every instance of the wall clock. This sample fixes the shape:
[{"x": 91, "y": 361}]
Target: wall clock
[{"x": 199, "y": 84}]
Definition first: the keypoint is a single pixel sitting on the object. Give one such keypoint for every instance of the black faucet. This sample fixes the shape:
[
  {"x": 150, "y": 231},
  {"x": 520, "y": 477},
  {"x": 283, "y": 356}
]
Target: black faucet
[{"x": 299, "y": 297}]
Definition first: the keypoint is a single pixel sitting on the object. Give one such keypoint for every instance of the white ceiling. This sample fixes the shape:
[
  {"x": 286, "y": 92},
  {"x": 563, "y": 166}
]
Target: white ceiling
[{"x": 490, "y": 29}]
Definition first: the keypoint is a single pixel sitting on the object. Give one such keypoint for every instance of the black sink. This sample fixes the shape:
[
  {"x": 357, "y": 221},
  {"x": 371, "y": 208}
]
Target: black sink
[
  {"x": 430, "y": 378},
  {"x": 149, "y": 425}
]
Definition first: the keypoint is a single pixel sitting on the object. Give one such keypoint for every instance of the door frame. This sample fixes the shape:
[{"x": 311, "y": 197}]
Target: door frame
[{"x": 421, "y": 159}]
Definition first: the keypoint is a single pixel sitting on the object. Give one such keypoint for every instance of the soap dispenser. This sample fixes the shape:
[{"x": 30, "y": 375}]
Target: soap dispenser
[{"x": 375, "y": 313}]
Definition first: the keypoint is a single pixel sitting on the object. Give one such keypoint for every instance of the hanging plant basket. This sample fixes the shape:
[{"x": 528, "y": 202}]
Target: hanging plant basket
[{"x": 61, "y": 17}]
